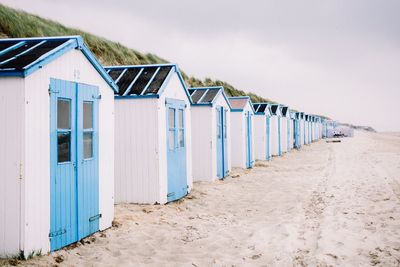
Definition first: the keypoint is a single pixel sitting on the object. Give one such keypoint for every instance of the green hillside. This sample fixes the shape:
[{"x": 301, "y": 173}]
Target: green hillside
[{"x": 16, "y": 23}]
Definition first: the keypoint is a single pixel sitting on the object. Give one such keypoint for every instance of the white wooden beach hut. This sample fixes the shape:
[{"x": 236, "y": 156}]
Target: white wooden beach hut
[
  {"x": 211, "y": 135},
  {"x": 242, "y": 141},
  {"x": 262, "y": 124},
  {"x": 306, "y": 129},
  {"x": 302, "y": 128},
  {"x": 57, "y": 144},
  {"x": 153, "y": 152},
  {"x": 284, "y": 128},
  {"x": 276, "y": 130}
]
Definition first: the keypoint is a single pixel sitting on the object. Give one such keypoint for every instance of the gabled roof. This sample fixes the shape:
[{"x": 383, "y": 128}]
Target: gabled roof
[
  {"x": 275, "y": 109},
  {"x": 22, "y": 56},
  {"x": 138, "y": 81},
  {"x": 238, "y": 103},
  {"x": 262, "y": 108},
  {"x": 284, "y": 110},
  {"x": 207, "y": 95}
]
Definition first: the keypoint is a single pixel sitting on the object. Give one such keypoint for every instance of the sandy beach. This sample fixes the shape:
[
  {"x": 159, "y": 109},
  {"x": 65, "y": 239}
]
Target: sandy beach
[{"x": 329, "y": 204}]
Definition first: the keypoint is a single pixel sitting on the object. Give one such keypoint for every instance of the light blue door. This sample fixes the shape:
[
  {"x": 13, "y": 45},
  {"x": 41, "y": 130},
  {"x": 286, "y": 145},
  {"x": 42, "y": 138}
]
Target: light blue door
[
  {"x": 225, "y": 143},
  {"x": 279, "y": 137},
  {"x": 176, "y": 149},
  {"x": 88, "y": 160},
  {"x": 249, "y": 148},
  {"x": 73, "y": 183},
  {"x": 267, "y": 138},
  {"x": 222, "y": 160}
]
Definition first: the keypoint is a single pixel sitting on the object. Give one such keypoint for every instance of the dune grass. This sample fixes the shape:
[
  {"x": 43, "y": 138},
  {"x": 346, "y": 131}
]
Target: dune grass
[{"x": 15, "y": 23}]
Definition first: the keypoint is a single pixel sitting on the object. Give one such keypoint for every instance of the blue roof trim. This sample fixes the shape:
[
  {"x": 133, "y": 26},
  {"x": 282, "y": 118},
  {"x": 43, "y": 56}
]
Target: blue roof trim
[
  {"x": 117, "y": 97},
  {"x": 263, "y": 113},
  {"x": 221, "y": 90},
  {"x": 242, "y": 97},
  {"x": 74, "y": 42},
  {"x": 162, "y": 88}
]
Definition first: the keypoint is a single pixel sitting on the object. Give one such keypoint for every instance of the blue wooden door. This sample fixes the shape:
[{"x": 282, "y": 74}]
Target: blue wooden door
[
  {"x": 249, "y": 148},
  {"x": 279, "y": 137},
  {"x": 176, "y": 149},
  {"x": 225, "y": 143},
  {"x": 220, "y": 143},
  {"x": 267, "y": 138},
  {"x": 73, "y": 190},
  {"x": 88, "y": 160},
  {"x": 222, "y": 160},
  {"x": 63, "y": 171}
]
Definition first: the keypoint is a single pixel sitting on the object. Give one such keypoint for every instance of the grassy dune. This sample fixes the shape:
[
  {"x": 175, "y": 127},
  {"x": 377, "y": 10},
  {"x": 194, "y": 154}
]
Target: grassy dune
[{"x": 16, "y": 23}]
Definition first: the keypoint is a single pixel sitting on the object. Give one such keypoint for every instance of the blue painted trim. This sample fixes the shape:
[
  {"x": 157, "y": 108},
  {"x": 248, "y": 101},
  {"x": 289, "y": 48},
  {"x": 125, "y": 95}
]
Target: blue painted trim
[
  {"x": 17, "y": 45},
  {"x": 57, "y": 52},
  {"x": 149, "y": 82},
  {"x": 50, "y": 56},
  {"x": 141, "y": 66},
  {"x": 242, "y": 97},
  {"x": 23, "y": 52},
  {"x": 128, "y": 90},
  {"x": 117, "y": 97},
  {"x": 120, "y": 76}
]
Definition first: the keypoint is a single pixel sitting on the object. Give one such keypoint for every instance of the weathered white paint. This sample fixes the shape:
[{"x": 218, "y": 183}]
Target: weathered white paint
[
  {"x": 238, "y": 133},
  {"x": 302, "y": 137},
  {"x": 284, "y": 134},
  {"x": 35, "y": 145},
  {"x": 275, "y": 135},
  {"x": 141, "y": 146},
  {"x": 12, "y": 117},
  {"x": 204, "y": 139},
  {"x": 260, "y": 137}
]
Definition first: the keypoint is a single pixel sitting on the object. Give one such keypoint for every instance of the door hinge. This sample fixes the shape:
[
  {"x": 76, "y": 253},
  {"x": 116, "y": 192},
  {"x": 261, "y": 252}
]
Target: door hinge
[
  {"x": 57, "y": 233},
  {"x": 94, "y": 218},
  {"x": 171, "y": 194},
  {"x": 96, "y": 97},
  {"x": 52, "y": 91}
]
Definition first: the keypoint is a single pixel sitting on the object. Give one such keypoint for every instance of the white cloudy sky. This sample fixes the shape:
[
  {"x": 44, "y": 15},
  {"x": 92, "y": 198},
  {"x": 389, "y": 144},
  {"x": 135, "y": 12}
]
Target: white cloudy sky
[{"x": 340, "y": 58}]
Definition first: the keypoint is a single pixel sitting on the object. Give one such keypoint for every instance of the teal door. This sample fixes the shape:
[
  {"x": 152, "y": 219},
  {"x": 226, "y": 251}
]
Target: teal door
[
  {"x": 267, "y": 138},
  {"x": 222, "y": 160},
  {"x": 74, "y": 199},
  {"x": 176, "y": 150},
  {"x": 249, "y": 148}
]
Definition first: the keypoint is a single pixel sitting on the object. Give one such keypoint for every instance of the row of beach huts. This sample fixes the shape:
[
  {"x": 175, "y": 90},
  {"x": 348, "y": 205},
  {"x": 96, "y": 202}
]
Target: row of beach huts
[{"x": 77, "y": 137}]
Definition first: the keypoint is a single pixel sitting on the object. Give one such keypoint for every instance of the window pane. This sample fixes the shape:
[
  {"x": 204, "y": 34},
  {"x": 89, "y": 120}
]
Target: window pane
[
  {"x": 171, "y": 118},
  {"x": 87, "y": 115},
  {"x": 180, "y": 118},
  {"x": 63, "y": 114},
  {"x": 88, "y": 145},
  {"x": 171, "y": 140},
  {"x": 181, "y": 138},
  {"x": 64, "y": 147}
]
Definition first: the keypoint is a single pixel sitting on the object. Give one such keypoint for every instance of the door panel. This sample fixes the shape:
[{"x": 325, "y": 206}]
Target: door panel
[
  {"x": 220, "y": 142},
  {"x": 176, "y": 149},
  {"x": 74, "y": 162},
  {"x": 225, "y": 143},
  {"x": 88, "y": 161},
  {"x": 222, "y": 149},
  {"x": 267, "y": 138},
  {"x": 63, "y": 210},
  {"x": 249, "y": 158}
]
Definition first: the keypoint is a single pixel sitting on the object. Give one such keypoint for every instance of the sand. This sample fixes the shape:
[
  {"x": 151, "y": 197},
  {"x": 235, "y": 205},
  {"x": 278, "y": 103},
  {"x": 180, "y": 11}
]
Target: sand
[{"x": 329, "y": 204}]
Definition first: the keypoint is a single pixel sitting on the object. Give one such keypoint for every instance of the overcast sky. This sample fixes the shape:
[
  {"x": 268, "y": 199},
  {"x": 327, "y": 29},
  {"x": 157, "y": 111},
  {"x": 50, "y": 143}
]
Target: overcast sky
[{"x": 339, "y": 58}]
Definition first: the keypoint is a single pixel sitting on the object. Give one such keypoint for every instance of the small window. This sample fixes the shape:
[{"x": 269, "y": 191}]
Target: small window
[
  {"x": 180, "y": 118},
  {"x": 87, "y": 115},
  {"x": 171, "y": 118},
  {"x": 171, "y": 139},
  {"x": 63, "y": 114},
  {"x": 64, "y": 147},
  {"x": 88, "y": 145},
  {"x": 181, "y": 138}
]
